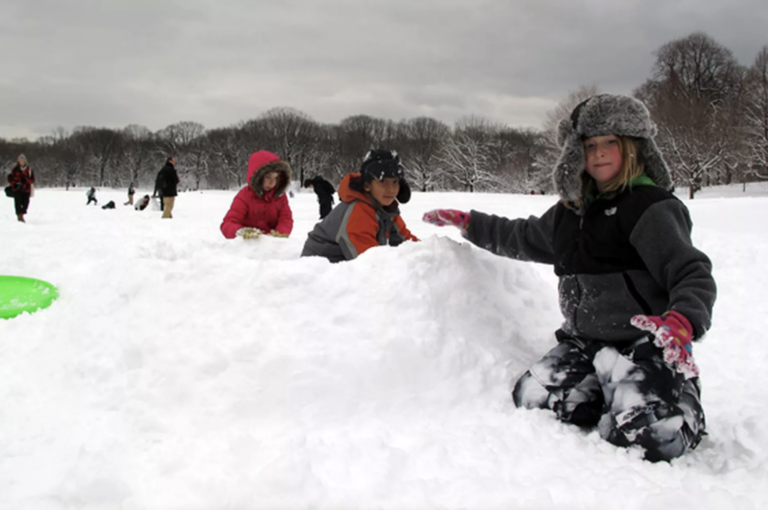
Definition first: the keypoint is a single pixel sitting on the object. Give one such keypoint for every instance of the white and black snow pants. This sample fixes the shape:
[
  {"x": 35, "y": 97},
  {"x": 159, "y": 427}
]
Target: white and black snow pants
[{"x": 625, "y": 389}]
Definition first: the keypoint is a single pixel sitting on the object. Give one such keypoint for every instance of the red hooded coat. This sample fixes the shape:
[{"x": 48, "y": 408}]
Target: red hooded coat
[{"x": 253, "y": 207}]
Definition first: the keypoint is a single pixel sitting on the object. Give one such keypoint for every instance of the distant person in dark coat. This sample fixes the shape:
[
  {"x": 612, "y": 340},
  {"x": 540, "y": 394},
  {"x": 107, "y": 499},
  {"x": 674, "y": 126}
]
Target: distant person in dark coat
[
  {"x": 21, "y": 179},
  {"x": 324, "y": 191},
  {"x": 166, "y": 186},
  {"x": 91, "y": 194},
  {"x": 109, "y": 205}
]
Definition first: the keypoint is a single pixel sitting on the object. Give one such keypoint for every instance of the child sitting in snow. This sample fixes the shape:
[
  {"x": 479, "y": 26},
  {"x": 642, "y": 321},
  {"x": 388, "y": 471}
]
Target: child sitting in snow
[
  {"x": 142, "y": 203},
  {"x": 368, "y": 214},
  {"x": 261, "y": 207},
  {"x": 633, "y": 289}
]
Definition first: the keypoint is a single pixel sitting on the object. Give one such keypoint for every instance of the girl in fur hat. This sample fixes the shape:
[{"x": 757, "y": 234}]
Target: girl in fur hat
[
  {"x": 633, "y": 289},
  {"x": 368, "y": 214},
  {"x": 261, "y": 207},
  {"x": 21, "y": 180}
]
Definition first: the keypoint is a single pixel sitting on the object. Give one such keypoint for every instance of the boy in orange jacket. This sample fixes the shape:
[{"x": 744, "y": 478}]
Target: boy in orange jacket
[{"x": 368, "y": 214}]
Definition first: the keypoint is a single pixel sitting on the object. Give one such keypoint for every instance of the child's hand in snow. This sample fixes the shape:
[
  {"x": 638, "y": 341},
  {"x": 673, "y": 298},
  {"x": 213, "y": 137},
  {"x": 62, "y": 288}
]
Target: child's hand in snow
[
  {"x": 443, "y": 217},
  {"x": 673, "y": 333},
  {"x": 275, "y": 233},
  {"x": 248, "y": 233}
]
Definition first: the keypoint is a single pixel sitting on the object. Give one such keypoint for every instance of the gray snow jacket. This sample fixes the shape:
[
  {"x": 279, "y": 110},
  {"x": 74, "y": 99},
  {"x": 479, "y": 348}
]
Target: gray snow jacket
[{"x": 627, "y": 254}]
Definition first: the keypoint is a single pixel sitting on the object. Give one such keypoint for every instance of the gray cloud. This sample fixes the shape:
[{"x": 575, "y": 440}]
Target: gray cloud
[{"x": 158, "y": 62}]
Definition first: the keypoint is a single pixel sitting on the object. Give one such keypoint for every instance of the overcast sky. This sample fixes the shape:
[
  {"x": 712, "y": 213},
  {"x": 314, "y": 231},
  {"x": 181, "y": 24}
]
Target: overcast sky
[{"x": 156, "y": 62}]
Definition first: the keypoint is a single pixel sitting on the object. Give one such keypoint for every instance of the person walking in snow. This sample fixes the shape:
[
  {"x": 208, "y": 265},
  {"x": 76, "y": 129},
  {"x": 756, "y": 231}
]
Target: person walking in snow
[
  {"x": 369, "y": 213},
  {"x": 324, "y": 191},
  {"x": 21, "y": 179},
  {"x": 633, "y": 289},
  {"x": 166, "y": 185},
  {"x": 261, "y": 207},
  {"x": 91, "y": 194},
  {"x": 131, "y": 192}
]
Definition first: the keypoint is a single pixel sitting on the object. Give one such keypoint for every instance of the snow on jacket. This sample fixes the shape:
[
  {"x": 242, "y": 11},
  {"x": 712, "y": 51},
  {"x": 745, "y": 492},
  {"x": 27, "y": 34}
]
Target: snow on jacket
[
  {"x": 21, "y": 179},
  {"x": 253, "y": 207},
  {"x": 627, "y": 254},
  {"x": 355, "y": 225}
]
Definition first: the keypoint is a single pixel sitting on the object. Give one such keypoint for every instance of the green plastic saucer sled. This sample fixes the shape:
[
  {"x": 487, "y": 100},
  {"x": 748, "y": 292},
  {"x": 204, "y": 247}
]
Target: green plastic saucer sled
[{"x": 19, "y": 294}]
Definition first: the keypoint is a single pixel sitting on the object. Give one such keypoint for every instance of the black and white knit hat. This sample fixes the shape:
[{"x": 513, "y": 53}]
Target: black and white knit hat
[
  {"x": 601, "y": 115},
  {"x": 381, "y": 163}
]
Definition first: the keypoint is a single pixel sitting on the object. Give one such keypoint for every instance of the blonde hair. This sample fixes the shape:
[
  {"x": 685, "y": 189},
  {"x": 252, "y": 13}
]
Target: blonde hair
[{"x": 631, "y": 167}]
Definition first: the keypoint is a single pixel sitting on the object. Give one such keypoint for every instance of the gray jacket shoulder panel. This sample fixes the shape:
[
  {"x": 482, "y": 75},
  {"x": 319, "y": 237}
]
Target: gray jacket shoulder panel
[
  {"x": 342, "y": 236},
  {"x": 323, "y": 241}
]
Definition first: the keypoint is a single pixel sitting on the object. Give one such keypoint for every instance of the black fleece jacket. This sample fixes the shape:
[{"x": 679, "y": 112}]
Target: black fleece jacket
[{"x": 627, "y": 254}]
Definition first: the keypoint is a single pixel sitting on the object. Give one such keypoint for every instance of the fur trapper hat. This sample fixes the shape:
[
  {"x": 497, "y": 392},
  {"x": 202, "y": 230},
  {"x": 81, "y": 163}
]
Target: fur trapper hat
[{"x": 602, "y": 115}]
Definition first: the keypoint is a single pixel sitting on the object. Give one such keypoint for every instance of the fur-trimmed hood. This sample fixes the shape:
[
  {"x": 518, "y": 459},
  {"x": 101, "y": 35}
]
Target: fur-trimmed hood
[
  {"x": 260, "y": 164},
  {"x": 601, "y": 115}
]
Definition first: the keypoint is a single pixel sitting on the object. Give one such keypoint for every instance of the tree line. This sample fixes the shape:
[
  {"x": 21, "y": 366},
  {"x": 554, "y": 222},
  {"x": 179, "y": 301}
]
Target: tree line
[{"x": 711, "y": 111}]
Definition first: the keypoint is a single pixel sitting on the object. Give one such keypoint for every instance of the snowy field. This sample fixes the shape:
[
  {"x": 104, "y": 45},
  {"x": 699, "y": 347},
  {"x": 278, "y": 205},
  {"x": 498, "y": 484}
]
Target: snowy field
[{"x": 180, "y": 370}]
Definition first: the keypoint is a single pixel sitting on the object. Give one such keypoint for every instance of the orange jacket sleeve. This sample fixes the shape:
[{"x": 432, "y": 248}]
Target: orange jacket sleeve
[{"x": 404, "y": 230}]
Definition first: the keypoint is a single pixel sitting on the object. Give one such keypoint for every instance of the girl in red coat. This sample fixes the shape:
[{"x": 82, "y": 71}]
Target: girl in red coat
[
  {"x": 21, "y": 179},
  {"x": 261, "y": 207}
]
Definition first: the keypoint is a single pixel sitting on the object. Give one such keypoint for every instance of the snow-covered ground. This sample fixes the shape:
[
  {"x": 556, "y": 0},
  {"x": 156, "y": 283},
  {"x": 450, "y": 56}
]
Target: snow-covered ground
[{"x": 180, "y": 370}]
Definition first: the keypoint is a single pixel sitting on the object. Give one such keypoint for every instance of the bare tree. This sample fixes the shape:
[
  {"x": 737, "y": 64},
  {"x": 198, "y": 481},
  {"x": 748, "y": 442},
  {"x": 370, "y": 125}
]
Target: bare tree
[
  {"x": 422, "y": 140},
  {"x": 320, "y": 152},
  {"x": 693, "y": 96},
  {"x": 756, "y": 115},
  {"x": 228, "y": 155},
  {"x": 137, "y": 154},
  {"x": 179, "y": 135},
  {"x": 292, "y": 135},
  {"x": 183, "y": 141},
  {"x": 515, "y": 154},
  {"x": 467, "y": 155},
  {"x": 98, "y": 150},
  {"x": 58, "y": 165},
  {"x": 357, "y": 135}
]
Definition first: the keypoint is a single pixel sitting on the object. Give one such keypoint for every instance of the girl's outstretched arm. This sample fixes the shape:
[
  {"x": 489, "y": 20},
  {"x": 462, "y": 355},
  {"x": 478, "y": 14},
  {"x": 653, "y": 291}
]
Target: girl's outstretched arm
[{"x": 528, "y": 239}]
